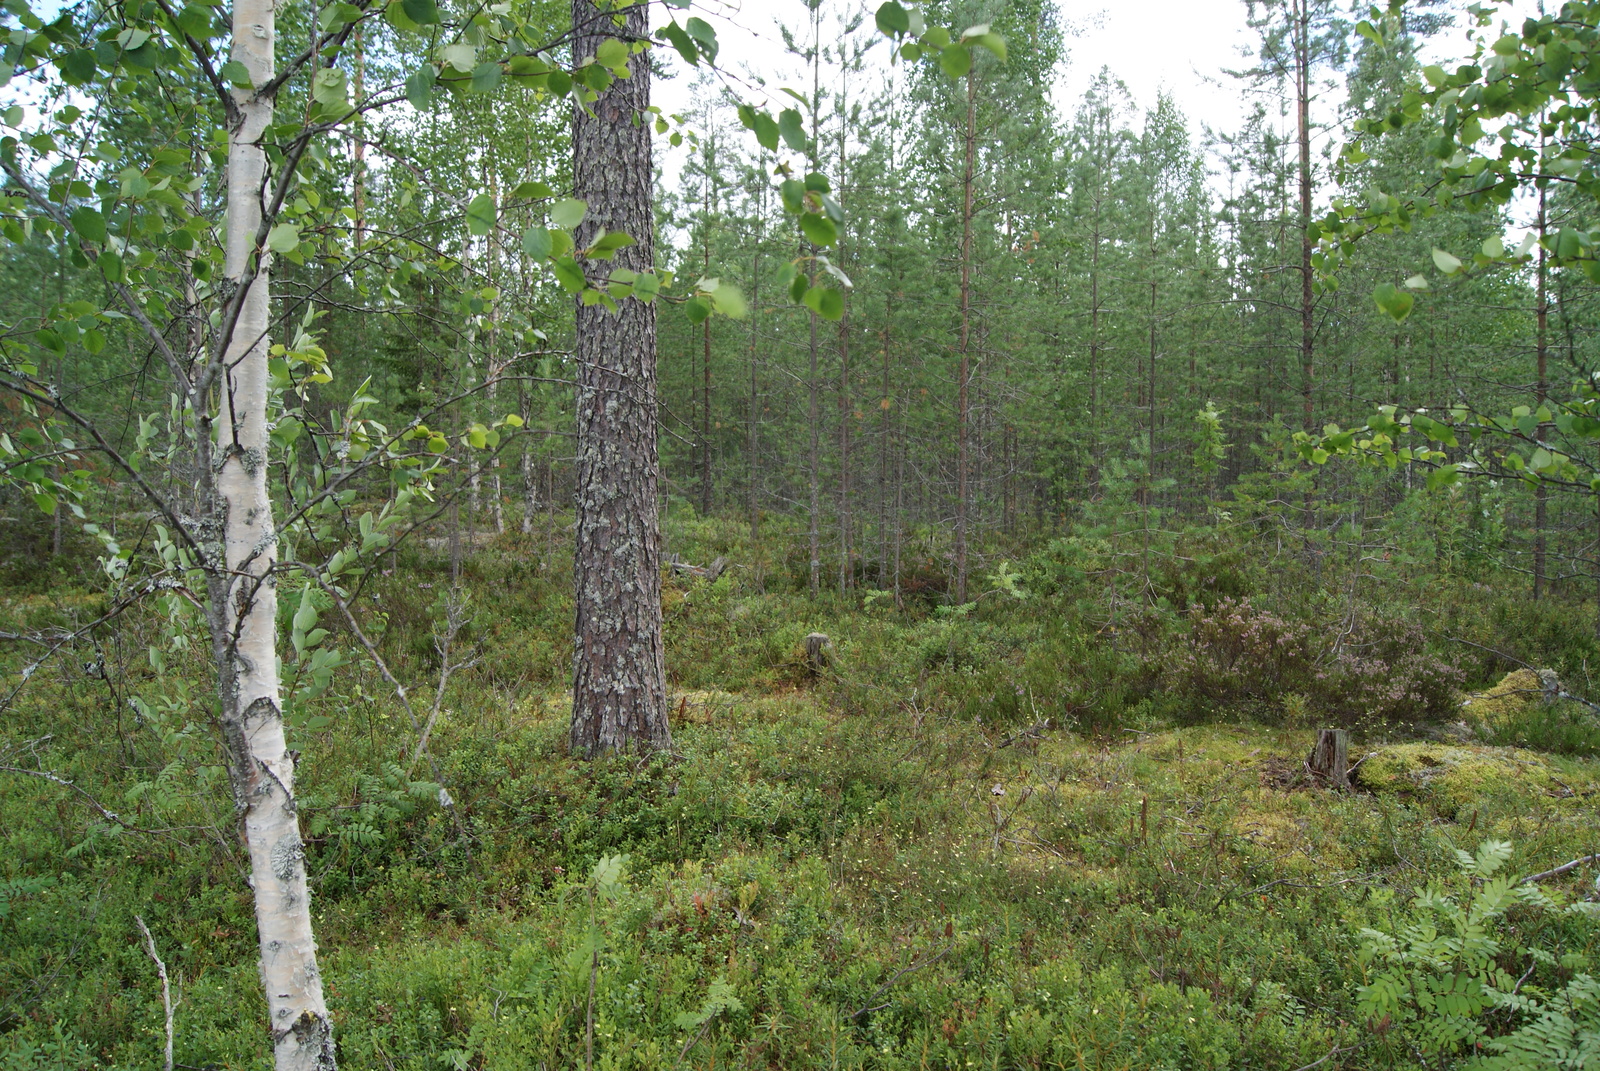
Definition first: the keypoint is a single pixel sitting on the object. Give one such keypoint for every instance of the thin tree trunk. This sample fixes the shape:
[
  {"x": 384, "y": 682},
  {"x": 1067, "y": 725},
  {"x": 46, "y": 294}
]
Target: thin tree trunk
[
  {"x": 963, "y": 367},
  {"x": 1541, "y": 393},
  {"x": 1302, "y": 51},
  {"x": 751, "y": 459},
  {"x": 1150, "y": 431},
  {"x": 846, "y": 573},
  {"x": 619, "y": 673},
  {"x": 705, "y": 360},
  {"x": 243, "y": 598},
  {"x": 814, "y": 476},
  {"x": 886, "y": 412}
]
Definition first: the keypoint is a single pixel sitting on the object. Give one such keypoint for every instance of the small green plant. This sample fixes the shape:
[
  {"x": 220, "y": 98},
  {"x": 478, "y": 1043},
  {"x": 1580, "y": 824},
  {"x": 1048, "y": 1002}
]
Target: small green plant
[{"x": 1438, "y": 978}]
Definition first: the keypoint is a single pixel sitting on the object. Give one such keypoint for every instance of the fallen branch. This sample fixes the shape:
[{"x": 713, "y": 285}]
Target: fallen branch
[
  {"x": 1035, "y": 731},
  {"x": 1564, "y": 868},
  {"x": 915, "y": 965},
  {"x": 166, "y": 988},
  {"x": 1336, "y": 1051},
  {"x": 704, "y": 572}
]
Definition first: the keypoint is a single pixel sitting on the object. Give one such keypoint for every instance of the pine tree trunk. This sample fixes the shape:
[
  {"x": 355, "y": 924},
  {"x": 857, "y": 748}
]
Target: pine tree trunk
[
  {"x": 1302, "y": 49},
  {"x": 619, "y": 677},
  {"x": 705, "y": 337},
  {"x": 1542, "y": 390},
  {"x": 243, "y": 599},
  {"x": 814, "y": 475},
  {"x": 963, "y": 493}
]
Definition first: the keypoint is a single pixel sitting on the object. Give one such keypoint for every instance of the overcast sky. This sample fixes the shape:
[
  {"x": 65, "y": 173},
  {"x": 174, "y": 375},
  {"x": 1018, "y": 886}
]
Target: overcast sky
[{"x": 1181, "y": 46}]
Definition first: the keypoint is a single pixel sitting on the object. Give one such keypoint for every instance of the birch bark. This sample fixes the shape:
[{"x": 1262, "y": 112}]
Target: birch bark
[{"x": 243, "y": 596}]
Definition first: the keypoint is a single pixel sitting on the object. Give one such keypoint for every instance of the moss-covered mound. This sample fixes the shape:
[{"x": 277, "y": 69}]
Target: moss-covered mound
[
  {"x": 1516, "y": 693},
  {"x": 1453, "y": 777}
]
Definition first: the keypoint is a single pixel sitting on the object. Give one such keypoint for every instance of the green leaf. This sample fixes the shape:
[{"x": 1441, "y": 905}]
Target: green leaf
[
  {"x": 329, "y": 87},
  {"x": 646, "y": 287},
  {"x": 235, "y": 74},
  {"x": 481, "y": 215},
  {"x": 284, "y": 238},
  {"x": 531, "y": 189},
  {"x": 462, "y": 56},
  {"x": 729, "y": 300},
  {"x": 1569, "y": 244},
  {"x": 793, "y": 192},
  {"x": 1417, "y": 282},
  {"x": 560, "y": 83},
  {"x": 1446, "y": 262},
  {"x": 819, "y": 230},
  {"x": 536, "y": 242},
  {"x": 679, "y": 39},
  {"x": 570, "y": 275},
  {"x": 421, "y": 12},
  {"x": 956, "y": 60},
  {"x": 995, "y": 43},
  {"x": 698, "y": 310},
  {"x": 705, "y": 36},
  {"x": 609, "y": 243},
  {"x": 1393, "y": 302},
  {"x": 77, "y": 67},
  {"x": 89, "y": 224},
  {"x": 419, "y": 88},
  {"x": 792, "y": 126},
  {"x": 611, "y": 53},
  {"x": 825, "y": 301},
  {"x": 892, "y": 19},
  {"x": 45, "y": 501},
  {"x": 569, "y": 213},
  {"x": 486, "y": 77},
  {"x": 527, "y": 70},
  {"x": 767, "y": 132}
]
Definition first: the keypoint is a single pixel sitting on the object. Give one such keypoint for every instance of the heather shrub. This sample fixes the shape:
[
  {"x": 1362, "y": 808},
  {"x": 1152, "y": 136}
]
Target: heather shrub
[
  {"x": 1392, "y": 675},
  {"x": 1237, "y": 654}
]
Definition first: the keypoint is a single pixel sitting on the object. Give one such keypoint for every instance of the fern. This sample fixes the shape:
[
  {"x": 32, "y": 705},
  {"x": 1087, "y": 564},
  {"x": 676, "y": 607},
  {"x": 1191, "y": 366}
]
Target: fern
[{"x": 1436, "y": 977}]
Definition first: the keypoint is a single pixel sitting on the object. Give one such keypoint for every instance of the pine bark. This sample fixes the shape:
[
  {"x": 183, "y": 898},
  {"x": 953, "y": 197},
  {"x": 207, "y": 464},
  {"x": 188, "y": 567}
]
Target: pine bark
[
  {"x": 1301, "y": 13},
  {"x": 243, "y": 599},
  {"x": 619, "y": 678},
  {"x": 1542, "y": 391},
  {"x": 963, "y": 368}
]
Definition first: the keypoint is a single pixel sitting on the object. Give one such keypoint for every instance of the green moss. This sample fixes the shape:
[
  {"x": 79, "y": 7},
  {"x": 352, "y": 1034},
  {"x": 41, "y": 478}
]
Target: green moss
[
  {"x": 1452, "y": 777},
  {"x": 1515, "y": 695}
]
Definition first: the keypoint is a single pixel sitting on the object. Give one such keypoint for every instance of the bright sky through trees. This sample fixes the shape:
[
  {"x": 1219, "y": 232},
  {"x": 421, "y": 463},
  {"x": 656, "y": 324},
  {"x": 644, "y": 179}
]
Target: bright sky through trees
[{"x": 1184, "y": 47}]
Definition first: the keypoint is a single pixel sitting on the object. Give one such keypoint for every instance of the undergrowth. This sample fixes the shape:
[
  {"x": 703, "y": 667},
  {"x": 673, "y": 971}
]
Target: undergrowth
[{"x": 1048, "y": 830}]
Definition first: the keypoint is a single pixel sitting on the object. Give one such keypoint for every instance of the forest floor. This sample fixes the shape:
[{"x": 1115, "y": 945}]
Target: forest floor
[{"x": 857, "y": 869}]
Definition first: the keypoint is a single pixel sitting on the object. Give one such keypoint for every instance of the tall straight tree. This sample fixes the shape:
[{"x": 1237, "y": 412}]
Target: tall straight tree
[
  {"x": 619, "y": 674},
  {"x": 242, "y": 603},
  {"x": 1297, "y": 38}
]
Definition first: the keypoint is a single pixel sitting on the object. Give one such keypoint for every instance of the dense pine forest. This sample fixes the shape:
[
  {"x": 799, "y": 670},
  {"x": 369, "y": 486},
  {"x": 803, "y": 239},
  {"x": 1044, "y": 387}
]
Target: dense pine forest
[{"x": 891, "y": 564}]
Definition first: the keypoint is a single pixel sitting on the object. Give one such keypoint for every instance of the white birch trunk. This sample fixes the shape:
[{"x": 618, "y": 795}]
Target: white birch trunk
[{"x": 244, "y": 598}]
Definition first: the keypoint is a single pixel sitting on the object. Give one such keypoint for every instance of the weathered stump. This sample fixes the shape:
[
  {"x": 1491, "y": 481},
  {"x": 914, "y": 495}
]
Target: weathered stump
[
  {"x": 1330, "y": 759},
  {"x": 819, "y": 651}
]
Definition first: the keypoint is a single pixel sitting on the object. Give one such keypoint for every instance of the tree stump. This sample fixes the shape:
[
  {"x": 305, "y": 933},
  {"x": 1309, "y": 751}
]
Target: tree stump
[
  {"x": 819, "y": 651},
  {"x": 1330, "y": 759}
]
